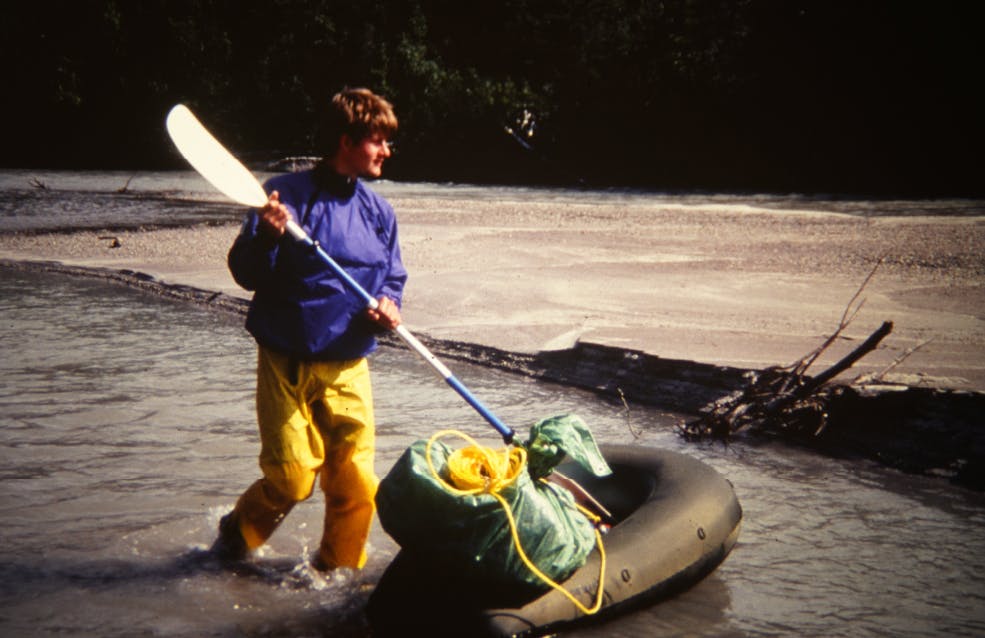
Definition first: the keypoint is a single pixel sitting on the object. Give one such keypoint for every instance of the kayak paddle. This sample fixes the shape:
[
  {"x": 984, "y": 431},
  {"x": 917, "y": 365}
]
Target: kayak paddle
[{"x": 218, "y": 166}]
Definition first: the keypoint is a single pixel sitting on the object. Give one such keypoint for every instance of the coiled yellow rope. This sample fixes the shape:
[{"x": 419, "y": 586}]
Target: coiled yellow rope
[{"x": 481, "y": 470}]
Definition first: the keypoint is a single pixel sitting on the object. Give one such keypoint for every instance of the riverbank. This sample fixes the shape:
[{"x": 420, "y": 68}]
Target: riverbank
[
  {"x": 747, "y": 288},
  {"x": 609, "y": 294}
]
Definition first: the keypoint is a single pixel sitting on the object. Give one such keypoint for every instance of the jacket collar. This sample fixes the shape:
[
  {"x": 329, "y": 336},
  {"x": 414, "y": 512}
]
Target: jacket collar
[{"x": 326, "y": 179}]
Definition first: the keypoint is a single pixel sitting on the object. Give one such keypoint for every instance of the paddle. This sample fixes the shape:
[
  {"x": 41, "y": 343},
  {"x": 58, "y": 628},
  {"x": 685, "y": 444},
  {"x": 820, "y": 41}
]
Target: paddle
[{"x": 229, "y": 176}]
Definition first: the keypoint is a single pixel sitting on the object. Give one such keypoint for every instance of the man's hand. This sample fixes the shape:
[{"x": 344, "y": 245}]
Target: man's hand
[
  {"x": 274, "y": 217},
  {"x": 387, "y": 314}
]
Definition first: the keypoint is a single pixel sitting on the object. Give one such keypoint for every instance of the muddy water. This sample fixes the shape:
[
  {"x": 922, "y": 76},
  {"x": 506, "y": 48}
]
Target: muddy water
[{"x": 126, "y": 430}]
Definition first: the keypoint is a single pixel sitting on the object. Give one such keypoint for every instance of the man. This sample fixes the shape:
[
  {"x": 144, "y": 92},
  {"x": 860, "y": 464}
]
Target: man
[{"x": 314, "y": 399}]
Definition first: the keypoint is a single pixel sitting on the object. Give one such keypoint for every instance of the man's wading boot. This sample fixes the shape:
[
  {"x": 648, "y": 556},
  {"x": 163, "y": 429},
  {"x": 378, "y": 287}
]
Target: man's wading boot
[{"x": 230, "y": 544}]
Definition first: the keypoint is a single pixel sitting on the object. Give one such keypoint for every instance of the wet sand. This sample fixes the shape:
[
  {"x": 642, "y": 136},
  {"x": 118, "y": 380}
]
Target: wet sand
[{"x": 732, "y": 286}]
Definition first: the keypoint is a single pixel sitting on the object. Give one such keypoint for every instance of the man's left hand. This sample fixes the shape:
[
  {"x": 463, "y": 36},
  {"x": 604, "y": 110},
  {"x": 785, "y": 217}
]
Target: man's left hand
[{"x": 387, "y": 314}]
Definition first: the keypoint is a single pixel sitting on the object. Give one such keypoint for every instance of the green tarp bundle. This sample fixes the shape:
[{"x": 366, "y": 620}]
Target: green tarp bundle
[{"x": 469, "y": 536}]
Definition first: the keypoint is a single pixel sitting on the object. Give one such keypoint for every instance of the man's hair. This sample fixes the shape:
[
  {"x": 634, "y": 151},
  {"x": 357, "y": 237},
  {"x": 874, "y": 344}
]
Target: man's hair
[{"x": 358, "y": 113}]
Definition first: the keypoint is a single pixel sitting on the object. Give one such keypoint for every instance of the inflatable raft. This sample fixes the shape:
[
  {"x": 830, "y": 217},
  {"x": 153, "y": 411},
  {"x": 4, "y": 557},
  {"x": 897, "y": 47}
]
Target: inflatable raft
[{"x": 676, "y": 519}]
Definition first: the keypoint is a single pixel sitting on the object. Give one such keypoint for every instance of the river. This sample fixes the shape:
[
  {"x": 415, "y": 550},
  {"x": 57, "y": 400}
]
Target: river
[{"x": 127, "y": 430}]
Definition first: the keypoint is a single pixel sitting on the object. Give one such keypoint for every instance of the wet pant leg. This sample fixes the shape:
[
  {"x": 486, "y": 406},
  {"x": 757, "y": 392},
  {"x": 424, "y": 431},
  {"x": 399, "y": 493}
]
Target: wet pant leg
[
  {"x": 345, "y": 416},
  {"x": 291, "y": 448},
  {"x": 315, "y": 419}
]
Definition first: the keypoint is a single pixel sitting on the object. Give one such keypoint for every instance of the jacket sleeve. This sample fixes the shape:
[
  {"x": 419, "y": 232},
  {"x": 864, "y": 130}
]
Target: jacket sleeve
[
  {"x": 393, "y": 284},
  {"x": 252, "y": 256}
]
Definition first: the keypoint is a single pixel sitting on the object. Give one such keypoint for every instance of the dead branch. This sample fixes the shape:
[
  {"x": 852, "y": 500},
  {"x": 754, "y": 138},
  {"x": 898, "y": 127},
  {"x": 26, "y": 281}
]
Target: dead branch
[
  {"x": 126, "y": 187},
  {"x": 849, "y": 360},
  {"x": 785, "y": 398},
  {"x": 777, "y": 399},
  {"x": 636, "y": 432},
  {"x": 847, "y": 316},
  {"x": 878, "y": 376}
]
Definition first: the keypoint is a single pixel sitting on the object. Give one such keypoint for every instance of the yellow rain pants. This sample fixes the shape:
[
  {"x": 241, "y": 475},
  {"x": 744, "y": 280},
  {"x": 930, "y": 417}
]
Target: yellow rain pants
[{"x": 316, "y": 420}]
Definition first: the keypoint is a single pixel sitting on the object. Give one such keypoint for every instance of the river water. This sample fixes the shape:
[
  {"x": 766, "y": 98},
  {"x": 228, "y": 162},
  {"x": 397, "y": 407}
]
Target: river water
[{"x": 127, "y": 430}]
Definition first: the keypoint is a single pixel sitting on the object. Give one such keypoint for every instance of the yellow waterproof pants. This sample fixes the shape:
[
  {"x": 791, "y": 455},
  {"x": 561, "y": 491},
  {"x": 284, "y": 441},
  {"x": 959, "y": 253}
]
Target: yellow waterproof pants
[{"x": 316, "y": 420}]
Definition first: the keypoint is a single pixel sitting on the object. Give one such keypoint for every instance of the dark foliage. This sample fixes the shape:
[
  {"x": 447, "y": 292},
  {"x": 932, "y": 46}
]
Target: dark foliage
[{"x": 877, "y": 97}]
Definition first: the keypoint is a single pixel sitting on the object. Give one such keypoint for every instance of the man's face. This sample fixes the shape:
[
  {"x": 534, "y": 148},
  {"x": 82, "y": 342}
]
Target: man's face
[{"x": 364, "y": 158}]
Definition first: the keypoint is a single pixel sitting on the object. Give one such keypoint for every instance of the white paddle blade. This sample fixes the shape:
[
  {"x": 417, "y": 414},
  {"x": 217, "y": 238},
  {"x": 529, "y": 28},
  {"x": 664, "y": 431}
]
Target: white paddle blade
[{"x": 212, "y": 160}]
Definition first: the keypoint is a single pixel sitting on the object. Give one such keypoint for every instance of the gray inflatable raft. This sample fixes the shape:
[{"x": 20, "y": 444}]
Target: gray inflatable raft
[{"x": 676, "y": 521}]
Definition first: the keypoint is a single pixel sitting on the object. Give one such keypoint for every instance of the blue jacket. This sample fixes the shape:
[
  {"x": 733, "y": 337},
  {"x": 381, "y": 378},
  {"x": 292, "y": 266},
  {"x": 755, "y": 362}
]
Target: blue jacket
[{"x": 299, "y": 307}]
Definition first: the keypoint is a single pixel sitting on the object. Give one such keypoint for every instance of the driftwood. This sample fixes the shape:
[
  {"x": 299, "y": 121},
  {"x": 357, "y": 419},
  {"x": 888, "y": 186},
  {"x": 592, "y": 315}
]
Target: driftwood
[
  {"x": 785, "y": 398},
  {"x": 41, "y": 185},
  {"x": 125, "y": 188}
]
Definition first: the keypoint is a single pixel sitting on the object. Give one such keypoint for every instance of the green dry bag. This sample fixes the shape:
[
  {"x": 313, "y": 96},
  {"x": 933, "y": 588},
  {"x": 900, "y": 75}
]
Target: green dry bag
[{"x": 470, "y": 537}]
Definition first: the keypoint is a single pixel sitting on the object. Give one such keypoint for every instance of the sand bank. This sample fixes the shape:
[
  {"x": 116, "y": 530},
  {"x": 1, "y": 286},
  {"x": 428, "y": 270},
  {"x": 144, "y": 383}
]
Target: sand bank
[{"x": 733, "y": 286}]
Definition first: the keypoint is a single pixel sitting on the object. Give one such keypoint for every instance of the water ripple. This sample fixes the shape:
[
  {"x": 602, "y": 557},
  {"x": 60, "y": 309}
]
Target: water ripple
[{"x": 120, "y": 452}]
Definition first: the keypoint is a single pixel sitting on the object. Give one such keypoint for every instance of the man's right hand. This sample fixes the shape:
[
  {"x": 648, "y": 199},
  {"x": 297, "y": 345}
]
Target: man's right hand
[{"x": 274, "y": 217}]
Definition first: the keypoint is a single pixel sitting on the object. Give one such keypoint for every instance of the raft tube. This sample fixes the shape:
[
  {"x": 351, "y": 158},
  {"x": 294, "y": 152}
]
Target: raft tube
[{"x": 676, "y": 521}]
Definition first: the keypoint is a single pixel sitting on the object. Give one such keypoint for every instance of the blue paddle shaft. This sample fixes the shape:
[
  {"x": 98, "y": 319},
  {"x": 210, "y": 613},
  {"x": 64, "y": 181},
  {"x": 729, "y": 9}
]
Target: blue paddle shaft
[{"x": 505, "y": 431}]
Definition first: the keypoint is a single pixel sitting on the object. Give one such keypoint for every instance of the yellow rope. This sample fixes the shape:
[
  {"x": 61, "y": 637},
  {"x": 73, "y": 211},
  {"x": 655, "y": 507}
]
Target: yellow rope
[{"x": 481, "y": 470}]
